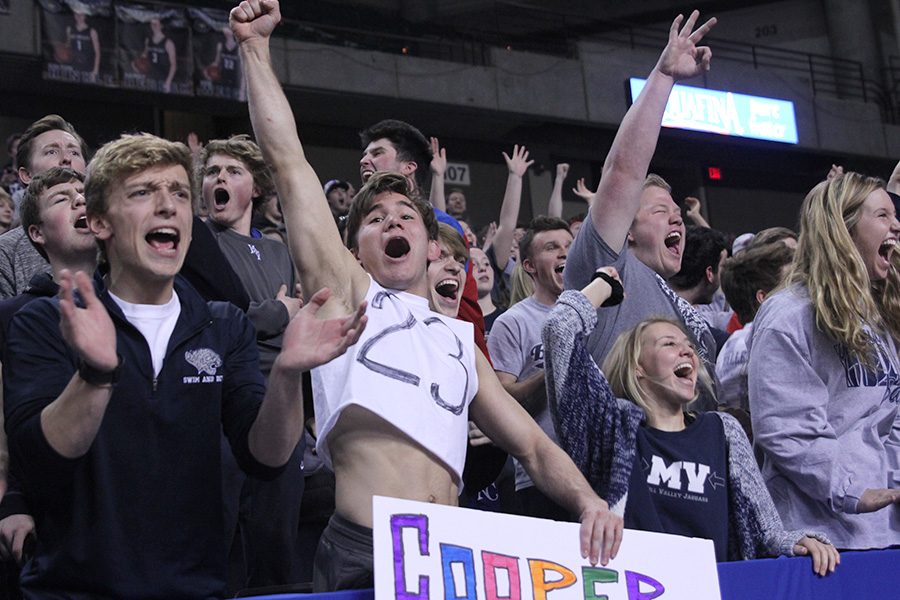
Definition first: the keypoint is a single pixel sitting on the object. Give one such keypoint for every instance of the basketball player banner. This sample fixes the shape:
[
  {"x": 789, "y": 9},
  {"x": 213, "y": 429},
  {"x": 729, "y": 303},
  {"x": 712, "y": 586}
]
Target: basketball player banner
[
  {"x": 78, "y": 39},
  {"x": 217, "y": 64},
  {"x": 432, "y": 551},
  {"x": 154, "y": 48}
]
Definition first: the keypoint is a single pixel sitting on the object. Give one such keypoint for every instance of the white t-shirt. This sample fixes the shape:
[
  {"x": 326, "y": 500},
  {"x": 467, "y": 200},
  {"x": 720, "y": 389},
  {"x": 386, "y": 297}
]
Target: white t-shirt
[
  {"x": 156, "y": 322},
  {"x": 412, "y": 367},
  {"x": 516, "y": 348}
]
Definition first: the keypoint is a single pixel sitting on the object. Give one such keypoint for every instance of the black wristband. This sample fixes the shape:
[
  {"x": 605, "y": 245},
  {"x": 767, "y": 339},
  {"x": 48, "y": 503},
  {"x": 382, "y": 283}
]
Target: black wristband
[
  {"x": 618, "y": 292},
  {"x": 97, "y": 377}
]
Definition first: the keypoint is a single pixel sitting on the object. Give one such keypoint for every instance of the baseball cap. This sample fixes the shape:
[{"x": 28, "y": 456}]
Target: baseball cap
[{"x": 336, "y": 183}]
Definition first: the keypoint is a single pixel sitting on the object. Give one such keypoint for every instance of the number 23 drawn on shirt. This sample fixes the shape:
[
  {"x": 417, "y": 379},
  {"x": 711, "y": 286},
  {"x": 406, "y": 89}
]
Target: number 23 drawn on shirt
[{"x": 398, "y": 374}]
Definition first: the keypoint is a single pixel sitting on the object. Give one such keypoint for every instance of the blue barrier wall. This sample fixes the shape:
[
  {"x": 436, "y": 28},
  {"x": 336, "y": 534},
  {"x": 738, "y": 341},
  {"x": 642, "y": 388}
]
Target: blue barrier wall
[{"x": 860, "y": 576}]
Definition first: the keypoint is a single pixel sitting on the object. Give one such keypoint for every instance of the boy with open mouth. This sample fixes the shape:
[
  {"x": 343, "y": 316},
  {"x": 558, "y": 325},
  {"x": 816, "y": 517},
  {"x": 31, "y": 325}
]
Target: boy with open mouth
[
  {"x": 634, "y": 224},
  {"x": 393, "y": 413}
]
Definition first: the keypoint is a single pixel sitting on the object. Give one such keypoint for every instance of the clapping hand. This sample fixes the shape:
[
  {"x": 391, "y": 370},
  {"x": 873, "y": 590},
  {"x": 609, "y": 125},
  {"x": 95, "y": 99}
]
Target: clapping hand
[
  {"x": 309, "y": 341},
  {"x": 88, "y": 331}
]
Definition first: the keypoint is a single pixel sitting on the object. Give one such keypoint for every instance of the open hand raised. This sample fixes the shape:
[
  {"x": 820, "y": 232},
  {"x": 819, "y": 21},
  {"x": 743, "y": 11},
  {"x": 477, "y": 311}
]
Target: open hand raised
[{"x": 682, "y": 57}]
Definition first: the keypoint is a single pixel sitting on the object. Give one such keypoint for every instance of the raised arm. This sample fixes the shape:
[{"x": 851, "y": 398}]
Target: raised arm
[
  {"x": 693, "y": 206},
  {"x": 517, "y": 165},
  {"x": 315, "y": 244},
  {"x": 509, "y": 426},
  {"x": 438, "y": 167},
  {"x": 583, "y": 191},
  {"x": 618, "y": 196},
  {"x": 554, "y": 207},
  {"x": 586, "y": 414}
]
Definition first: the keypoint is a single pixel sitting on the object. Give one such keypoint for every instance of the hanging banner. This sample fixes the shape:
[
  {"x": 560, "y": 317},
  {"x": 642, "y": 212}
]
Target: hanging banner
[
  {"x": 154, "y": 49},
  {"x": 431, "y": 551},
  {"x": 217, "y": 63},
  {"x": 78, "y": 41}
]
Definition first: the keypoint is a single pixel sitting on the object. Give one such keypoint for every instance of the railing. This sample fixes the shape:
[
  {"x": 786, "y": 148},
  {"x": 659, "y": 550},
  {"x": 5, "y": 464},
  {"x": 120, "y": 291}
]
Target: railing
[
  {"x": 529, "y": 28},
  {"x": 829, "y": 76},
  {"x": 840, "y": 78},
  {"x": 892, "y": 81}
]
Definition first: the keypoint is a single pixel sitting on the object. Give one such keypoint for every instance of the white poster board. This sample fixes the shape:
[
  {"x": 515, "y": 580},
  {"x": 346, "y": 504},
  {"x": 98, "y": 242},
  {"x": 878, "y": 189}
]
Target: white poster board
[{"x": 441, "y": 552}]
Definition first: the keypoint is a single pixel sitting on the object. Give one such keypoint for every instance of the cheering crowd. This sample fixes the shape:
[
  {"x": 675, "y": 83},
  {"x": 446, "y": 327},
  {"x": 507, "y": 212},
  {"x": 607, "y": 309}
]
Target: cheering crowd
[{"x": 212, "y": 362}]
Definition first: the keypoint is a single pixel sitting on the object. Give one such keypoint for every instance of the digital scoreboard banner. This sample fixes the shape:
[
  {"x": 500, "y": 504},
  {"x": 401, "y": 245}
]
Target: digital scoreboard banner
[{"x": 726, "y": 113}]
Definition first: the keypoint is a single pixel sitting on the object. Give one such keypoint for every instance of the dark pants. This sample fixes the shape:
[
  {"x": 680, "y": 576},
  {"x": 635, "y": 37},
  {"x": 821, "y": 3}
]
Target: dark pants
[
  {"x": 315, "y": 511},
  {"x": 344, "y": 557},
  {"x": 266, "y": 517}
]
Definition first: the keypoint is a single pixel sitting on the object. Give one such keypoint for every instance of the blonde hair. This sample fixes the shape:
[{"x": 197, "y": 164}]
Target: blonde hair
[
  {"x": 828, "y": 263},
  {"x": 621, "y": 364},
  {"x": 654, "y": 180},
  {"x": 454, "y": 241},
  {"x": 126, "y": 156},
  {"x": 520, "y": 284}
]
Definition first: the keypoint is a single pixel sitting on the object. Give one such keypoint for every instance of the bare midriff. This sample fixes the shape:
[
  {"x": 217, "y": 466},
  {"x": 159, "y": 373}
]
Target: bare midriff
[{"x": 371, "y": 457}]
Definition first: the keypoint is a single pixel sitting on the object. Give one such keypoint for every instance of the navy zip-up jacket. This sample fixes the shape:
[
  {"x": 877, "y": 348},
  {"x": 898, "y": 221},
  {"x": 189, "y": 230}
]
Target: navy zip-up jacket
[{"x": 140, "y": 515}]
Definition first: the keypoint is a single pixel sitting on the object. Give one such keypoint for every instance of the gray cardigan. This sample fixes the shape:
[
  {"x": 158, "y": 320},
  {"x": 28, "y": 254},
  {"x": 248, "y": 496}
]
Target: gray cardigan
[{"x": 599, "y": 432}]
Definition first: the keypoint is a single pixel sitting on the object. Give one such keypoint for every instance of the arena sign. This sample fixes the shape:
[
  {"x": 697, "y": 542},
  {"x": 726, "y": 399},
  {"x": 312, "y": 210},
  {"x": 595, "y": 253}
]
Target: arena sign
[
  {"x": 441, "y": 552},
  {"x": 726, "y": 113}
]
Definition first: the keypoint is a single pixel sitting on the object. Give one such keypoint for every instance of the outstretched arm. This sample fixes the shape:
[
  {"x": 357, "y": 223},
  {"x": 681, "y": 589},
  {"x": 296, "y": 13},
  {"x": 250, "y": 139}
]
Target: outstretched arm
[
  {"x": 554, "y": 207},
  {"x": 438, "y": 167},
  {"x": 504, "y": 421},
  {"x": 307, "y": 343},
  {"x": 316, "y": 247},
  {"x": 586, "y": 414},
  {"x": 618, "y": 196},
  {"x": 517, "y": 165}
]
